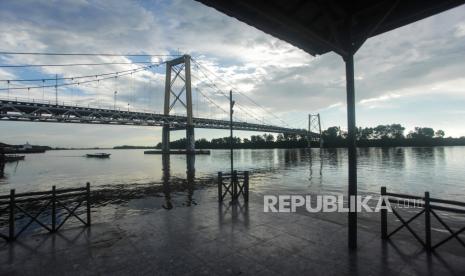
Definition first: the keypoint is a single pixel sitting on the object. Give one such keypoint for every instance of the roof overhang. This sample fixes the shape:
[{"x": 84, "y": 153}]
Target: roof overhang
[{"x": 319, "y": 26}]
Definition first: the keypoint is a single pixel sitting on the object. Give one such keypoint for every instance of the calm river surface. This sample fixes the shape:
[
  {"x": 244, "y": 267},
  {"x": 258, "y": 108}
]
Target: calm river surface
[{"x": 440, "y": 170}]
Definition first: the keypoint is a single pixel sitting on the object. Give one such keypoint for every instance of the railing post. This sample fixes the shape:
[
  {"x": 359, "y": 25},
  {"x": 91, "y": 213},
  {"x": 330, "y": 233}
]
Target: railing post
[
  {"x": 427, "y": 222},
  {"x": 220, "y": 186},
  {"x": 383, "y": 214},
  {"x": 54, "y": 211},
  {"x": 246, "y": 186},
  {"x": 234, "y": 179},
  {"x": 11, "y": 220},
  {"x": 88, "y": 203}
]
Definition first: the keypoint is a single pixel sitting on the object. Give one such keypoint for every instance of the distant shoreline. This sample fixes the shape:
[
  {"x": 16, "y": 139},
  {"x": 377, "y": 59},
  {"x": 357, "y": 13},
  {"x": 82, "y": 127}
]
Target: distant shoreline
[
  {"x": 248, "y": 147},
  {"x": 129, "y": 148}
]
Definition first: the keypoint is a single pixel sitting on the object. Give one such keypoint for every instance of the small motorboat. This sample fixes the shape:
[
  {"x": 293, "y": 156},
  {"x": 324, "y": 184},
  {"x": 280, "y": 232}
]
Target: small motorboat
[
  {"x": 98, "y": 155},
  {"x": 14, "y": 158}
]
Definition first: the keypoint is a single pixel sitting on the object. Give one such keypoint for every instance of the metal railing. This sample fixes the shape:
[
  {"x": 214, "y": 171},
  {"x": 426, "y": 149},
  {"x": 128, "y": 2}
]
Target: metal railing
[
  {"x": 235, "y": 185},
  {"x": 429, "y": 210},
  {"x": 42, "y": 202},
  {"x": 78, "y": 104},
  {"x": 50, "y": 112}
]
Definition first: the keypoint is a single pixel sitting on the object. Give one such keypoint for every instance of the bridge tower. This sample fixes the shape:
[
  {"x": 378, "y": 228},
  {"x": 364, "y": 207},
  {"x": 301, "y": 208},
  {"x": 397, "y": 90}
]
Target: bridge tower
[
  {"x": 314, "y": 126},
  {"x": 179, "y": 68}
]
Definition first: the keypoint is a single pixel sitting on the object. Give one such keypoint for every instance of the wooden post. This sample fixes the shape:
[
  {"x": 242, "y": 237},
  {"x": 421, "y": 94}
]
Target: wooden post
[
  {"x": 383, "y": 215},
  {"x": 12, "y": 216},
  {"x": 234, "y": 180},
  {"x": 88, "y": 203},
  {"x": 220, "y": 186},
  {"x": 427, "y": 222},
  {"x": 246, "y": 186},
  {"x": 54, "y": 214},
  {"x": 2, "y": 162}
]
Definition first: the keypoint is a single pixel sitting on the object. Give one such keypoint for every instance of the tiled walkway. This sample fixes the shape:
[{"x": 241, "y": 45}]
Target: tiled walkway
[{"x": 213, "y": 239}]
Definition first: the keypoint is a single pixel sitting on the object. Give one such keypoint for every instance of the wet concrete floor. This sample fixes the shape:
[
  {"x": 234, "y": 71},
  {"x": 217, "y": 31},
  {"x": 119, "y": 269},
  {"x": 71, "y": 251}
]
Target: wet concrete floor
[{"x": 219, "y": 239}]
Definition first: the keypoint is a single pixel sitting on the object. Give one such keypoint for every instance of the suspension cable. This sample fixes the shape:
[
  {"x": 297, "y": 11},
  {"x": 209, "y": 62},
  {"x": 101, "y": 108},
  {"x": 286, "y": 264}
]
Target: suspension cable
[
  {"x": 82, "y": 82},
  {"x": 87, "y": 54},
  {"x": 81, "y": 77},
  {"x": 227, "y": 97},
  {"x": 234, "y": 89},
  {"x": 74, "y": 64}
]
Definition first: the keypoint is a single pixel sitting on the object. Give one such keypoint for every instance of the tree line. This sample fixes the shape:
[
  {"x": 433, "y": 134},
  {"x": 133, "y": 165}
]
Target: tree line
[
  {"x": 380, "y": 136},
  {"x": 391, "y": 136}
]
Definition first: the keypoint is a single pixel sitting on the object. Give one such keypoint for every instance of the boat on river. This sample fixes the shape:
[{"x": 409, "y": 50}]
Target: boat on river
[{"x": 98, "y": 155}]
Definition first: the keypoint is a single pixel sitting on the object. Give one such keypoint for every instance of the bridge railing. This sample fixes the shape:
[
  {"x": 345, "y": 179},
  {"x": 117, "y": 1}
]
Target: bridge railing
[
  {"x": 428, "y": 207},
  {"x": 75, "y": 104},
  {"x": 41, "y": 208},
  {"x": 234, "y": 184},
  {"x": 22, "y": 101}
]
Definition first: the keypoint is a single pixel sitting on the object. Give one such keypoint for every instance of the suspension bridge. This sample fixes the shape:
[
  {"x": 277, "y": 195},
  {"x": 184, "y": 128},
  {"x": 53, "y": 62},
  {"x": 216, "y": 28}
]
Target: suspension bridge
[{"x": 23, "y": 102}]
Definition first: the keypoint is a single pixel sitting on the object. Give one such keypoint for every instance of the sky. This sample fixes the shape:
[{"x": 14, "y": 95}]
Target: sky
[{"x": 412, "y": 75}]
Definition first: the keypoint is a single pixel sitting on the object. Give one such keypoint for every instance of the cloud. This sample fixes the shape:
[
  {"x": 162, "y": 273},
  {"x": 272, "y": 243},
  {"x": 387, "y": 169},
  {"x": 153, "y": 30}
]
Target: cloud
[{"x": 419, "y": 60}]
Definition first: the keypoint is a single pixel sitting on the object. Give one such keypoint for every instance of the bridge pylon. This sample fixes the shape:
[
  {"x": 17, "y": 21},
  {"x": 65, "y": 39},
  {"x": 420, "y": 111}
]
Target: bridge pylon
[
  {"x": 179, "y": 68},
  {"x": 314, "y": 126}
]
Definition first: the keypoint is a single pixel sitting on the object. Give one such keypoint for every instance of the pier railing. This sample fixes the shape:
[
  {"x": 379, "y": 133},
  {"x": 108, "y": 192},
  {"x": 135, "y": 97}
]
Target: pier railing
[
  {"x": 31, "y": 205},
  {"x": 428, "y": 207},
  {"x": 234, "y": 184}
]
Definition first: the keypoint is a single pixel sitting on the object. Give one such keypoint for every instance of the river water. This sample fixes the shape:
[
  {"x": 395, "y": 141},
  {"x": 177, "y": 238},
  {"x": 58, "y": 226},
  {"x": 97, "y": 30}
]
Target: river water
[{"x": 439, "y": 170}]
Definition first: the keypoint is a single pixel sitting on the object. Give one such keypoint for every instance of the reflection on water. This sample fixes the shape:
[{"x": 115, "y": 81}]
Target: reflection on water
[
  {"x": 132, "y": 174},
  {"x": 167, "y": 182}
]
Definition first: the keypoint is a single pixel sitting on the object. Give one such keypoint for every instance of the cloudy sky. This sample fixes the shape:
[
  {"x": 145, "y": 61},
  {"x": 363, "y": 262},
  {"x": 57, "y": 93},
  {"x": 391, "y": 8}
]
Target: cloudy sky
[{"x": 412, "y": 75}]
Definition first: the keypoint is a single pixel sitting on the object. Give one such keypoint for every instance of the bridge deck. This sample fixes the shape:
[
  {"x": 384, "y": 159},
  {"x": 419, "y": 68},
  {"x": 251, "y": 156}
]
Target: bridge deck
[{"x": 15, "y": 110}]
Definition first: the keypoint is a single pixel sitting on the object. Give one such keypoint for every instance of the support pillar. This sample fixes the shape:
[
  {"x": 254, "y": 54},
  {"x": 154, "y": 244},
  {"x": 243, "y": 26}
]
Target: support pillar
[
  {"x": 165, "y": 141},
  {"x": 166, "y": 181},
  {"x": 319, "y": 131},
  {"x": 190, "y": 139},
  {"x": 190, "y": 173},
  {"x": 314, "y": 126},
  {"x": 352, "y": 149},
  {"x": 175, "y": 68},
  {"x": 309, "y": 138},
  {"x": 190, "y": 145},
  {"x": 165, "y": 138},
  {"x": 231, "y": 137}
]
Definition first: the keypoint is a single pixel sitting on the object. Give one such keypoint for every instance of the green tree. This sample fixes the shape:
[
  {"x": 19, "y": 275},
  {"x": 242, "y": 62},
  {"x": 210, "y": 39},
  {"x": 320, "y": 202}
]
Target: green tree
[
  {"x": 381, "y": 132},
  {"x": 332, "y": 132},
  {"x": 280, "y": 138},
  {"x": 440, "y": 134},
  {"x": 396, "y": 131},
  {"x": 269, "y": 138},
  {"x": 364, "y": 133},
  {"x": 422, "y": 133}
]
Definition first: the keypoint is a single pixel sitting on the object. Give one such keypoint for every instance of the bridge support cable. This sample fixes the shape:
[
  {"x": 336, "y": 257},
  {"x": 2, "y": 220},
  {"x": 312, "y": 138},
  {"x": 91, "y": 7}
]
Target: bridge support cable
[
  {"x": 212, "y": 85},
  {"x": 209, "y": 72}
]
